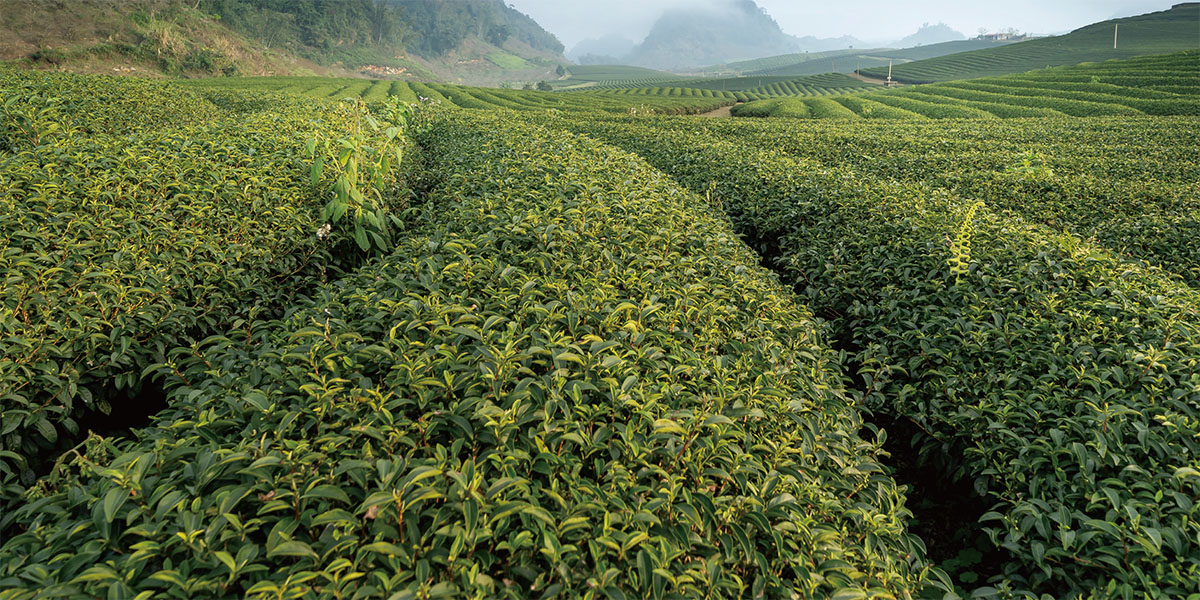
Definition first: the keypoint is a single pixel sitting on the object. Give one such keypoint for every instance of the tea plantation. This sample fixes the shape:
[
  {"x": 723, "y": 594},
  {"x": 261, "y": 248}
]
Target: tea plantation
[
  {"x": 314, "y": 338},
  {"x": 1153, "y": 85},
  {"x": 1158, "y": 32}
]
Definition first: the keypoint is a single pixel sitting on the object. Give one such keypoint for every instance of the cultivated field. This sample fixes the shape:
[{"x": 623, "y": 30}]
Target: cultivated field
[
  {"x": 315, "y": 338},
  {"x": 1155, "y": 85},
  {"x": 1154, "y": 33}
]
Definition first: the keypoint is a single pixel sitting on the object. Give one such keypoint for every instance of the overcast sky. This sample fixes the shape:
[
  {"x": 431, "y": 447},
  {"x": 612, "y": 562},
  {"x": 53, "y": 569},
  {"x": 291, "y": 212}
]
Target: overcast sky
[{"x": 868, "y": 20}]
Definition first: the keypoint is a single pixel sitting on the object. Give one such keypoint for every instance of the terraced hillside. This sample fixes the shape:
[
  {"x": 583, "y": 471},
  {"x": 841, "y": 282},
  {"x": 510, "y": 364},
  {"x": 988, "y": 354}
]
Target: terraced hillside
[
  {"x": 1162, "y": 32},
  {"x": 746, "y": 89},
  {"x": 1150, "y": 85},
  {"x": 471, "y": 97},
  {"x": 853, "y": 60},
  {"x": 704, "y": 96},
  {"x": 786, "y": 85},
  {"x": 757, "y": 65},
  {"x": 610, "y": 76}
]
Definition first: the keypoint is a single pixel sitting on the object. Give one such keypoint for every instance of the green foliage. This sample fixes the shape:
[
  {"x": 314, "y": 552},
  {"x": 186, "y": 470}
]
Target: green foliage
[
  {"x": 1161, "y": 32},
  {"x": 1113, "y": 88},
  {"x": 849, "y": 60},
  {"x": 28, "y": 118},
  {"x": 960, "y": 247},
  {"x": 471, "y": 97},
  {"x": 354, "y": 32},
  {"x": 1063, "y": 376},
  {"x": 574, "y": 381},
  {"x": 160, "y": 219},
  {"x": 362, "y": 165},
  {"x": 561, "y": 374},
  {"x": 505, "y": 60}
]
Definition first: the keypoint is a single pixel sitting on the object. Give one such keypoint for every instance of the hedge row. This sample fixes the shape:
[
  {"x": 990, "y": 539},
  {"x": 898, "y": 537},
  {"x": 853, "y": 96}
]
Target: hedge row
[
  {"x": 933, "y": 110},
  {"x": 576, "y": 383},
  {"x": 682, "y": 101},
  {"x": 866, "y": 108},
  {"x": 1062, "y": 381},
  {"x": 1086, "y": 90},
  {"x": 125, "y": 233},
  {"x": 1125, "y": 184},
  {"x": 1152, "y": 106},
  {"x": 999, "y": 109},
  {"x": 1067, "y": 106},
  {"x": 776, "y": 107}
]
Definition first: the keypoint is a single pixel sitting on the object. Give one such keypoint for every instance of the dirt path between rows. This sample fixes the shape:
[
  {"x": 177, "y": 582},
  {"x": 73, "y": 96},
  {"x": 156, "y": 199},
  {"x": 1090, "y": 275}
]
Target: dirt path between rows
[{"x": 720, "y": 113}]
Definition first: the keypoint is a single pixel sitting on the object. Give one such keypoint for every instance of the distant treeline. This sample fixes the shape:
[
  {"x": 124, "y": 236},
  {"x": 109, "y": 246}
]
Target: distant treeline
[{"x": 320, "y": 28}]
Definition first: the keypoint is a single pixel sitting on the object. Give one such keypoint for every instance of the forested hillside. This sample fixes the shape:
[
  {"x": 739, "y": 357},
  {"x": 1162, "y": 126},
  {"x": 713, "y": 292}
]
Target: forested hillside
[
  {"x": 441, "y": 26},
  {"x": 480, "y": 41}
]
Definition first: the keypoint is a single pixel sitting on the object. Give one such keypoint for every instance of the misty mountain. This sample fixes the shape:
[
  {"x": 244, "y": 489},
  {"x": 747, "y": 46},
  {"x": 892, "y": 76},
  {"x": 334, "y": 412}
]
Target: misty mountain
[
  {"x": 719, "y": 32},
  {"x": 439, "y": 27},
  {"x": 930, "y": 34},
  {"x": 612, "y": 45}
]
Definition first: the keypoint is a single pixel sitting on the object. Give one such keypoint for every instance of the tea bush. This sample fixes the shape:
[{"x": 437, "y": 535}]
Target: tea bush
[
  {"x": 86, "y": 105},
  {"x": 125, "y": 233},
  {"x": 1065, "y": 381},
  {"x": 575, "y": 382},
  {"x": 1080, "y": 175},
  {"x": 697, "y": 101},
  {"x": 1129, "y": 87}
]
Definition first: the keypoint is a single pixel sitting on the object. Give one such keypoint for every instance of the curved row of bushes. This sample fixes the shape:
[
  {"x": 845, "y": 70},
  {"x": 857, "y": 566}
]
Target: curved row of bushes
[
  {"x": 1087, "y": 90},
  {"x": 575, "y": 383},
  {"x": 1063, "y": 382},
  {"x": 1084, "y": 176},
  {"x": 136, "y": 217},
  {"x": 687, "y": 102}
]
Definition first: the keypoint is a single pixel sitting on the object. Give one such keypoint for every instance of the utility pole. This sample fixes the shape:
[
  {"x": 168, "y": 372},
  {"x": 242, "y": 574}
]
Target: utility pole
[{"x": 1116, "y": 26}]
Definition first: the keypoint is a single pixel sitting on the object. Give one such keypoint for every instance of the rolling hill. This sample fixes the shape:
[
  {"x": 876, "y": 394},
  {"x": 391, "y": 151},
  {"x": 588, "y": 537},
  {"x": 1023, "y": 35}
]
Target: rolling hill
[
  {"x": 851, "y": 60},
  {"x": 611, "y": 76},
  {"x": 476, "y": 41},
  {"x": 1160, "y": 32},
  {"x": 1146, "y": 85}
]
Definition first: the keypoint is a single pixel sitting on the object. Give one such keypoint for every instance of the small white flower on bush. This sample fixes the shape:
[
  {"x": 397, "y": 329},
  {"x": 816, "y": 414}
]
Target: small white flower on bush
[{"x": 323, "y": 231}]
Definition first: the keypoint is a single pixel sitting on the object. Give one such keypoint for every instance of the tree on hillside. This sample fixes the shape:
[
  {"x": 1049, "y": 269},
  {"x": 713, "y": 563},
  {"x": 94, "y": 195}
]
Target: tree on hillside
[{"x": 319, "y": 25}]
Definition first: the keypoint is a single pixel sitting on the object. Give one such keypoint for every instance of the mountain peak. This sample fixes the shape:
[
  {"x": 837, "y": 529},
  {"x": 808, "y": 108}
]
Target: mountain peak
[{"x": 722, "y": 32}]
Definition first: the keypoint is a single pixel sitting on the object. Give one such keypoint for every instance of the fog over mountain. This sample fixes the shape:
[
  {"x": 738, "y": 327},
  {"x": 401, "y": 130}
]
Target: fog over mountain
[
  {"x": 874, "y": 21},
  {"x": 592, "y": 50},
  {"x": 713, "y": 33},
  {"x": 930, "y": 34}
]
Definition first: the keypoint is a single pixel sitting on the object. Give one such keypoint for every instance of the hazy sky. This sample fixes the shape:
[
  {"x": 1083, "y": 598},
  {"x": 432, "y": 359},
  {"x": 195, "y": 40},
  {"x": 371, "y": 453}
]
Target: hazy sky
[{"x": 869, "y": 20}]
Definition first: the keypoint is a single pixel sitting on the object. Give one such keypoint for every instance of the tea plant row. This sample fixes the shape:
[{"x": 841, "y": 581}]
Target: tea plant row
[
  {"x": 572, "y": 380},
  {"x": 1162, "y": 32},
  {"x": 472, "y": 97},
  {"x": 1056, "y": 376},
  {"x": 1154, "y": 85},
  {"x": 136, "y": 218},
  {"x": 745, "y": 89},
  {"x": 1125, "y": 184}
]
